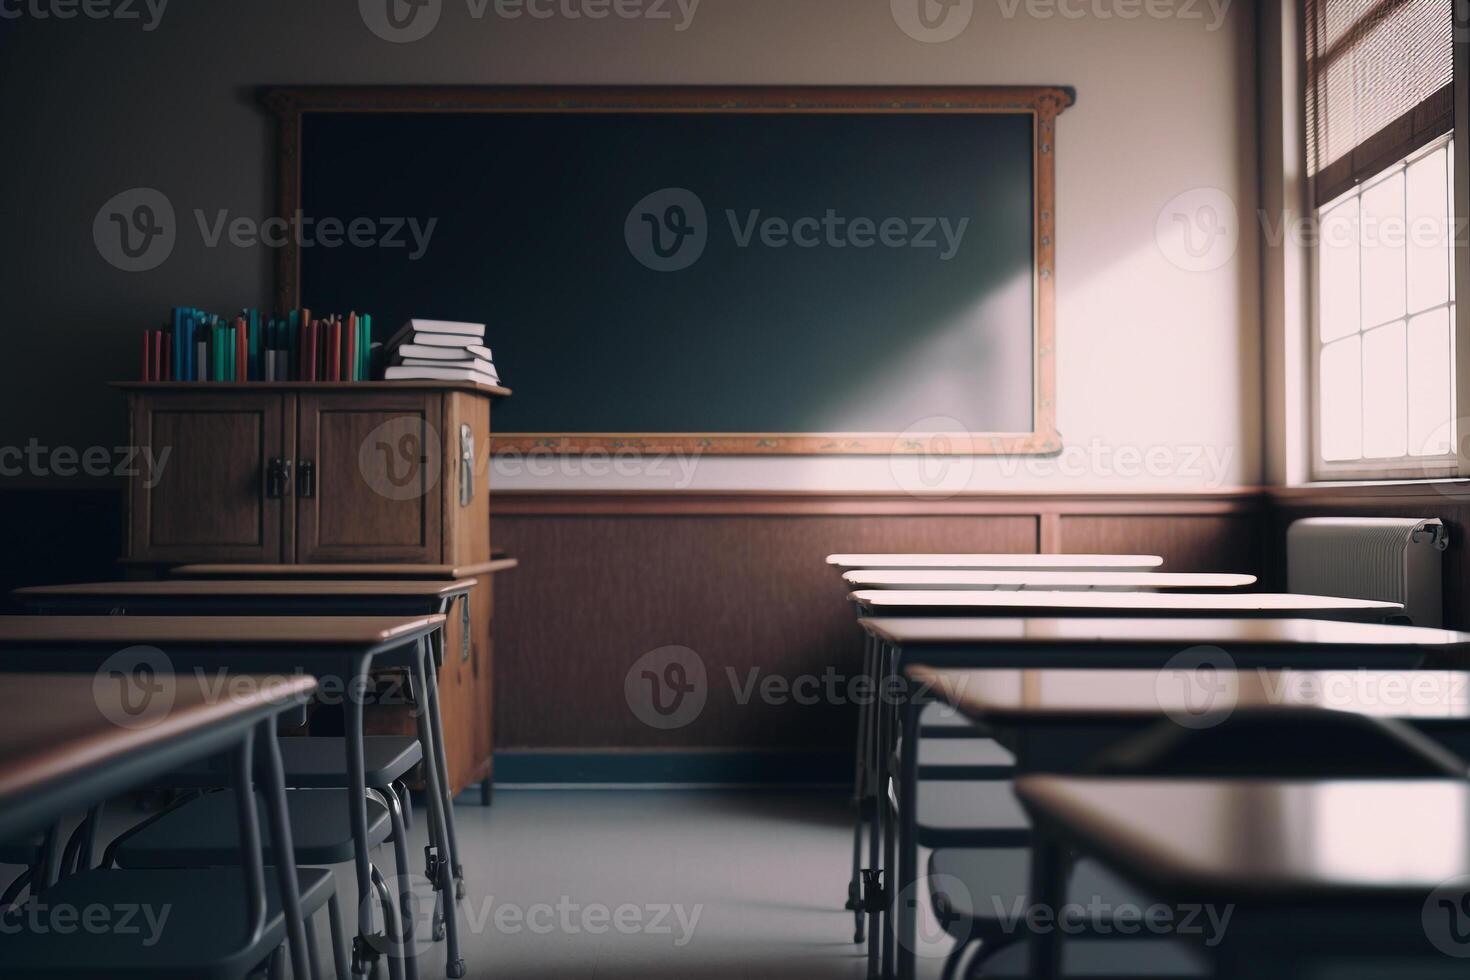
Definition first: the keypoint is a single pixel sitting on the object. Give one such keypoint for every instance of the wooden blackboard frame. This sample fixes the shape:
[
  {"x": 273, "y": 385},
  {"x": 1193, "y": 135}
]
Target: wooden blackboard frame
[{"x": 290, "y": 105}]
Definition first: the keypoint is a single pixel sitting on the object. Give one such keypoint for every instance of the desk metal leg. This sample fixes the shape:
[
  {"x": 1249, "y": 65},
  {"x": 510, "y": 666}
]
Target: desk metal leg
[
  {"x": 905, "y": 886},
  {"x": 861, "y": 798},
  {"x": 363, "y": 950},
  {"x": 1048, "y": 891},
  {"x": 282, "y": 847},
  {"x": 441, "y": 761},
  {"x": 440, "y": 867},
  {"x": 886, "y": 719}
]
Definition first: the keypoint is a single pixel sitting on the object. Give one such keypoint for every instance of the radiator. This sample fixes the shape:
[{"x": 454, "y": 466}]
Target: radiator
[{"x": 1393, "y": 559}]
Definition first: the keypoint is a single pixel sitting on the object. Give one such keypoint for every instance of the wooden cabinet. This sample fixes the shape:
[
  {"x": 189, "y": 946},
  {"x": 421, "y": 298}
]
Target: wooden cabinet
[{"x": 297, "y": 474}]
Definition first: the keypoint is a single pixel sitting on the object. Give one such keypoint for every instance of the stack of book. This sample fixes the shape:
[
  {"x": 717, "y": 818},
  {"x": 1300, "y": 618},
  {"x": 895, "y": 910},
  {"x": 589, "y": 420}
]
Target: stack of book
[
  {"x": 440, "y": 350},
  {"x": 200, "y": 346}
]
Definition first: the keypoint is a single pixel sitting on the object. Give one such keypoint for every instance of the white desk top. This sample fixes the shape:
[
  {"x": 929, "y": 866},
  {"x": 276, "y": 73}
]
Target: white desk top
[
  {"x": 1287, "y": 603},
  {"x": 1078, "y": 563},
  {"x": 964, "y": 631},
  {"x": 1049, "y": 580}
]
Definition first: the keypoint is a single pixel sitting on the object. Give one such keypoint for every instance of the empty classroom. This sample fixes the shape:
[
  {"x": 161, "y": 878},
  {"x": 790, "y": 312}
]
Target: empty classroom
[{"x": 648, "y": 489}]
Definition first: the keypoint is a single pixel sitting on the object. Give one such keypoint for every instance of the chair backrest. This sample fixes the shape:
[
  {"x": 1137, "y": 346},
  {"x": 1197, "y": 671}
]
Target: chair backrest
[{"x": 1281, "y": 743}]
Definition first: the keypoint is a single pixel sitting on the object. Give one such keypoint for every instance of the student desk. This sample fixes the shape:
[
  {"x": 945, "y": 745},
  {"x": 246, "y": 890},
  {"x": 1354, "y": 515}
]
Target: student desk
[
  {"x": 922, "y": 579},
  {"x": 1097, "y": 643},
  {"x": 63, "y": 749},
  {"x": 1027, "y": 603},
  {"x": 344, "y": 570},
  {"x": 287, "y": 597},
  {"x": 1352, "y": 867},
  {"x": 1055, "y": 720},
  {"x": 1076, "y": 563},
  {"x": 340, "y": 651}
]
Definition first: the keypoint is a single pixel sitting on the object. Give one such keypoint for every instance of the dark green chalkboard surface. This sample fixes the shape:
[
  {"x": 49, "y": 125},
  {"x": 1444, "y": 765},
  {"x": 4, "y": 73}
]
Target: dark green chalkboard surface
[{"x": 702, "y": 274}]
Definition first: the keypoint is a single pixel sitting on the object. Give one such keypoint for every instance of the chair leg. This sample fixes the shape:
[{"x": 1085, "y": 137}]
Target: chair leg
[
  {"x": 406, "y": 800},
  {"x": 340, "y": 962},
  {"x": 12, "y": 893},
  {"x": 406, "y": 898},
  {"x": 390, "y": 925},
  {"x": 276, "y": 968},
  {"x": 955, "y": 960},
  {"x": 313, "y": 959}
]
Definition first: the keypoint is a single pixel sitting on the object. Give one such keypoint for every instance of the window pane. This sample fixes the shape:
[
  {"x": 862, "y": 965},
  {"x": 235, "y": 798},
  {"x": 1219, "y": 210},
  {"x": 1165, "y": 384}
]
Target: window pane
[
  {"x": 1431, "y": 404},
  {"x": 1428, "y": 232},
  {"x": 1383, "y": 250},
  {"x": 1341, "y": 410},
  {"x": 1337, "y": 264},
  {"x": 1385, "y": 398},
  {"x": 1449, "y": 166}
]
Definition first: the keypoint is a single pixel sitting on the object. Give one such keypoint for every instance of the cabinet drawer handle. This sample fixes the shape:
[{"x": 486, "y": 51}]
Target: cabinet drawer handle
[
  {"x": 278, "y": 478},
  {"x": 306, "y": 478}
]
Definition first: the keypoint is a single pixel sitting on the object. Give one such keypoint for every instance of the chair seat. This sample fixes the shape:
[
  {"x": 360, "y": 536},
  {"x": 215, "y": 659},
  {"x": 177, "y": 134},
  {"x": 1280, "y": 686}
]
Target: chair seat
[
  {"x": 1122, "y": 958},
  {"x": 961, "y": 758},
  {"x": 982, "y": 892},
  {"x": 197, "y": 929},
  {"x": 979, "y": 813},
  {"x": 318, "y": 762},
  {"x": 204, "y": 832}
]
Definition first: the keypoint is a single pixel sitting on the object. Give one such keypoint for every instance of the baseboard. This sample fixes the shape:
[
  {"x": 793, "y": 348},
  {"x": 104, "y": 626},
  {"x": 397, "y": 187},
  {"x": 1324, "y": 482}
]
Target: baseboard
[{"x": 632, "y": 768}]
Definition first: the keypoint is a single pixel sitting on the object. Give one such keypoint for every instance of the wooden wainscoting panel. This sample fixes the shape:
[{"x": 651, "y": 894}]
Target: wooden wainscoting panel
[
  {"x": 1188, "y": 543},
  {"x": 593, "y": 594}
]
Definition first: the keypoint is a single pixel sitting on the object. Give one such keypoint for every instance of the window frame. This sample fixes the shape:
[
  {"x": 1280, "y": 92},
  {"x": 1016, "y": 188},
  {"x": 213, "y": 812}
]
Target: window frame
[{"x": 1457, "y": 462}]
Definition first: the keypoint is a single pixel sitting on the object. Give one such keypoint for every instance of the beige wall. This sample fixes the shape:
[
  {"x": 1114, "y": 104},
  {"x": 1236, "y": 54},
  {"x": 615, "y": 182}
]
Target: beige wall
[{"x": 1154, "y": 359}]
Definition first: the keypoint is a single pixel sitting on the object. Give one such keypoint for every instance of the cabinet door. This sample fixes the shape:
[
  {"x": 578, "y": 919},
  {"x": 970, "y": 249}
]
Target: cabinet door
[
  {"x": 208, "y": 498},
  {"x": 368, "y": 473}
]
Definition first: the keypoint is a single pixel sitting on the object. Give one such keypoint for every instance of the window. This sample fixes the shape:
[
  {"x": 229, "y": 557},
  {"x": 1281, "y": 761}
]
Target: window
[
  {"x": 1380, "y": 160},
  {"x": 1384, "y": 345}
]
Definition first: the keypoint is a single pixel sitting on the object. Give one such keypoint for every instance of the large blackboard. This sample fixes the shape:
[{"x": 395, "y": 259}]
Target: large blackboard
[{"x": 870, "y": 272}]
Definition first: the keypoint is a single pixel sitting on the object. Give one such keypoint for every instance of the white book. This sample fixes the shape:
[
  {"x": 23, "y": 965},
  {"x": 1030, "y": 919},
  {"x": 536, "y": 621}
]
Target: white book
[
  {"x": 433, "y": 340},
  {"x": 472, "y": 331},
  {"x": 402, "y": 372},
  {"x": 472, "y": 363},
  {"x": 443, "y": 353}
]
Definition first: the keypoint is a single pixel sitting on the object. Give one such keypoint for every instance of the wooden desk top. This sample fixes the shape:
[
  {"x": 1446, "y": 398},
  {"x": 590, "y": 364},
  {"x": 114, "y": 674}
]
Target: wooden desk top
[
  {"x": 1225, "y": 603},
  {"x": 56, "y": 726},
  {"x": 998, "y": 562},
  {"x": 966, "y": 632},
  {"x": 359, "y": 631},
  {"x": 252, "y": 587},
  {"x": 1263, "y": 840},
  {"x": 1067, "y": 696},
  {"x": 345, "y": 570},
  {"x": 924, "y": 579}
]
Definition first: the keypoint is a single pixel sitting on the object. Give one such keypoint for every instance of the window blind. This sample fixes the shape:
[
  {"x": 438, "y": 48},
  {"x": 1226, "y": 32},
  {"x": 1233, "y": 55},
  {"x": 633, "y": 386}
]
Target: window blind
[{"x": 1379, "y": 85}]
